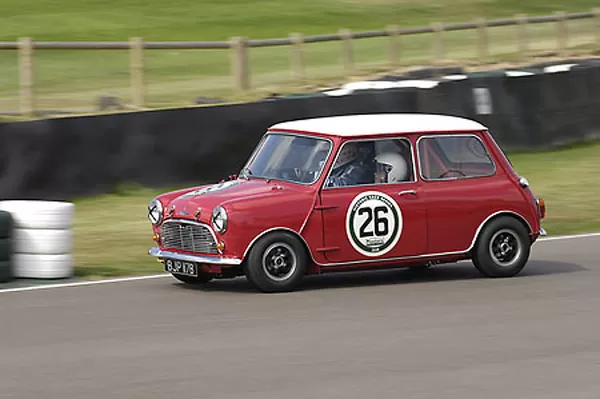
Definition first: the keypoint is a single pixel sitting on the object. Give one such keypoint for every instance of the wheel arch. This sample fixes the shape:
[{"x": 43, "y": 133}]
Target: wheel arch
[
  {"x": 277, "y": 230},
  {"x": 495, "y": 216}
]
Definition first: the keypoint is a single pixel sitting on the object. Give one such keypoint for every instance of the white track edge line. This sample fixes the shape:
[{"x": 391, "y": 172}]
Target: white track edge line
[
  {"x": 569, "y": 237},
  {"x": 83, "y": 283},
  {"x": 155, "y": 276}
]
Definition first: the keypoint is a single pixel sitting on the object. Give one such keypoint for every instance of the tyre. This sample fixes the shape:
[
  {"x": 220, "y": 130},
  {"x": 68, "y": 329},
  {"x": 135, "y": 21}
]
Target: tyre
[
  {"x": 276, "y": 263},
  {"x": 40, "y": 214},
  {"x": 502, "y": 249},
  {"x": 6, "y": 224},
  {"x": 43, "y": 266},
  {"x": 6, "y": 271},
  {"x": 201, "y": 279},
  {"x": 6, "y": 249},
  {"x": 43, "y": 242}
]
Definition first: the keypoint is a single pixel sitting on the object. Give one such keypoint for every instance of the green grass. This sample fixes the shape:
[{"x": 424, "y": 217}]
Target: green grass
[
  {"x": 112, "y": 233},
  {"x": 75, "y": 79},
  {"x": 568, "y": 180}
]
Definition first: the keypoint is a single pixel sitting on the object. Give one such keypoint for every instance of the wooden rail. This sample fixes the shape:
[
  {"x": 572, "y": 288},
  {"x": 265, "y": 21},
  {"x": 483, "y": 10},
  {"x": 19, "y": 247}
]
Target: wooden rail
[{"x": 239, "y": 48}]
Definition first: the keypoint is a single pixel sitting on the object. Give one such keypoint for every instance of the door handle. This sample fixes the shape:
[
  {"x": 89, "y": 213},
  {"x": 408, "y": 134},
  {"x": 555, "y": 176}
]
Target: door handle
[{"x": 406, "y": 192}]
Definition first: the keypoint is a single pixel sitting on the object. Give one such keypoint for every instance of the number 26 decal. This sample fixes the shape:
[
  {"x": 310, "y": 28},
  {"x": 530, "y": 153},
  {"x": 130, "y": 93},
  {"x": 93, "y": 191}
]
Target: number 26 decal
[
  {"x": 381, "y": 223},
  {"x": 373, "y": 223}
]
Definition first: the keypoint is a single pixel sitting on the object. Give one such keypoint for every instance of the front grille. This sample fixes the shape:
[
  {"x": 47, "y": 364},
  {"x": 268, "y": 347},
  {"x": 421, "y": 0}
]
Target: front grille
[{"x": 188, "y": 237}]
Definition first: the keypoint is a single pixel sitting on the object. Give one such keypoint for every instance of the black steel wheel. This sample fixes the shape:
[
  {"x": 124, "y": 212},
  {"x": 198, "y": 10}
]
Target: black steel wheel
[
  {"x": 276, "y": 263},
  {"x": 502, "y": 249}
]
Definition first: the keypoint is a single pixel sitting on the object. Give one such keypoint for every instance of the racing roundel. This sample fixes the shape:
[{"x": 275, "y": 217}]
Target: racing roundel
[{"x": 373, "y": 223}]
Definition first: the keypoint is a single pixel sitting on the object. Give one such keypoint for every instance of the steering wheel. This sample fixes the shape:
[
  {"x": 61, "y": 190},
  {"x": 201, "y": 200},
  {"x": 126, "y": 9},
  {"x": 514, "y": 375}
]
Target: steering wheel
[
  {"x": 294, "y": 174},
  {"x": 448, "y": 171}
]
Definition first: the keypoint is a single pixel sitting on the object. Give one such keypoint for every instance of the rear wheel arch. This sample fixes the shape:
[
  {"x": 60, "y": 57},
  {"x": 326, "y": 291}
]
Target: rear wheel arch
[
  {"x": 497, "y": 216},
  {"x": 503, "y": 245}
]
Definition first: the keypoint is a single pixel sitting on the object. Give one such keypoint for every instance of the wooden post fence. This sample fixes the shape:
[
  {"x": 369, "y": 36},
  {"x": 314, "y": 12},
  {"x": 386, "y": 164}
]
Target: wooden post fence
[
  {"x": 239, "y": 48},
  {"x": 137, "y": 72},
  {"x": 26, "y": 77}
]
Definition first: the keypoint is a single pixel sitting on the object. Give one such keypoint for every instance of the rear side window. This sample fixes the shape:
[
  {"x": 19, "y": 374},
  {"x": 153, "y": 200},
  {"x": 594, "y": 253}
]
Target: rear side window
[{"x": 454, "y": 157}]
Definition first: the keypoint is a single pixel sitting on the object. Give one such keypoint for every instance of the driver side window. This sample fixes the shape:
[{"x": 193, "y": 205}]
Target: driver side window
[
  {"x": 372, "y": 162},
  {"x": 454, "y": 156}
]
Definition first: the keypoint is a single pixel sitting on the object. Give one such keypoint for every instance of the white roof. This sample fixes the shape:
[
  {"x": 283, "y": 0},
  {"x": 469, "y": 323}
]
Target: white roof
[{"x": 373, "y": 124}]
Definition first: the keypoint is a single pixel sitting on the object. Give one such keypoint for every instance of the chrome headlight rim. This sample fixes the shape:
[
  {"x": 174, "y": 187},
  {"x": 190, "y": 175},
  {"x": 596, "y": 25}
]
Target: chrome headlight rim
[
  {"x": 155, "y": 212},
  {"x": 219, "y": 219}
]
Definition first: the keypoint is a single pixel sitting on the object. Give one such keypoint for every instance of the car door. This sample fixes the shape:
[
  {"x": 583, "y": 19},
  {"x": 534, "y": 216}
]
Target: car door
[
  {"x": 369, "y": 221},
  {"x": 460, "y": 186}
]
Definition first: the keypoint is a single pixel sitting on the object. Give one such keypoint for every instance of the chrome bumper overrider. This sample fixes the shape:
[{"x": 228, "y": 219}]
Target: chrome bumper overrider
[{"x": 194, "y": 258}]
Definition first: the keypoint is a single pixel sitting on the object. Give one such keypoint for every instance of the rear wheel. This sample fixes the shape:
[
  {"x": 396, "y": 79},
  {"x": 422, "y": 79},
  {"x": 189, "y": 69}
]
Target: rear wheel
[
  {"x": 276, "y": 263},
  {"x": 502, "y": 249}
]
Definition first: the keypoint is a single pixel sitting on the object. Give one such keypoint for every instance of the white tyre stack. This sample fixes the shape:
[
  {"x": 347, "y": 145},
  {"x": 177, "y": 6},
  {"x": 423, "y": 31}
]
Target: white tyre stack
[{"x": 43, "y": 239}]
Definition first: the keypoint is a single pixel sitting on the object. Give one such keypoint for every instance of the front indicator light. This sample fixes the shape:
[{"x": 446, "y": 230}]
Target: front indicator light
[
  {"x": 541, "y": 207},
  {"x": 221, "y": 246}
]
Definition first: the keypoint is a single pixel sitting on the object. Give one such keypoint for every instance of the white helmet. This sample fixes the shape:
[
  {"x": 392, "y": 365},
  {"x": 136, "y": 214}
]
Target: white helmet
[{"x": 394, "y": 165}]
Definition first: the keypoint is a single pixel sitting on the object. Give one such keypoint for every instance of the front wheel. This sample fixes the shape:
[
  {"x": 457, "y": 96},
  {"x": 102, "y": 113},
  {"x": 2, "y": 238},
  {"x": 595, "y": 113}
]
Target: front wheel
[
  {"x": 503, "y": 248},
  {"x": 277, "y": 263}
]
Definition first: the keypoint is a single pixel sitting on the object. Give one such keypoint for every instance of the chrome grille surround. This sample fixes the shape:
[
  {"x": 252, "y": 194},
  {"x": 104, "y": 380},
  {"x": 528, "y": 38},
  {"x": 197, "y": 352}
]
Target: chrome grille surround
[{"x": 188, "y": 236}]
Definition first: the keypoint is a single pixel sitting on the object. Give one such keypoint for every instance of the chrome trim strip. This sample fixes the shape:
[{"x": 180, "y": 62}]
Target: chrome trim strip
[
  {"x": 412, "y": 155},
  {"x": 358, "y": 262},
  {"x": 428, "y": 136},
  {"x": 310, "y": 211},
  {"x": 154, "y": 251}
]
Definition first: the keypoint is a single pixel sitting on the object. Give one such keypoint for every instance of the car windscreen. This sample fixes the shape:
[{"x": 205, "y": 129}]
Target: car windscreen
[{"x": 288, "y": 157}]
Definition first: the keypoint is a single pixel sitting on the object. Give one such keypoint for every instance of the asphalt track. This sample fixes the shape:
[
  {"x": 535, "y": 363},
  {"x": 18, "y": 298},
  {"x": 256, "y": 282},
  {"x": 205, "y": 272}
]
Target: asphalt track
[{"x": 443, "y": 333}]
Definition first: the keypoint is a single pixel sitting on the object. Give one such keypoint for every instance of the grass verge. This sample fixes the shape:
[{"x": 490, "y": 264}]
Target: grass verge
[
  {"x": 75, "y": 79},
  {"x": 112, "y": 233}
]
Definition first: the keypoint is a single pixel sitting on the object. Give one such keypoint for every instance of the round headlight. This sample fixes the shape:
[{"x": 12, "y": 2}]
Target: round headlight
[
  {"x": 155, "y": 211},
  {"x": 219, "y": 219}
]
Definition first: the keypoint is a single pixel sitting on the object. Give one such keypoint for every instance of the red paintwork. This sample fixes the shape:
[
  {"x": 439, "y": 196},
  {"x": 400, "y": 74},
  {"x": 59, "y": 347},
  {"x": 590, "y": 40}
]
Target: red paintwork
[{"x": 440, "y": 221}]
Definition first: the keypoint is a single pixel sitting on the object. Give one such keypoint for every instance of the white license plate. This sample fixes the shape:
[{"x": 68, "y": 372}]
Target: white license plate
[{"x": 181, "y": 267}]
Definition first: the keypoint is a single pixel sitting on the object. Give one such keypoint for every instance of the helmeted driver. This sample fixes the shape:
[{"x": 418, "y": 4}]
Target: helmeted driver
[
  {"x": 349, "y": 169},
  {"x": 390, "y": 167}
]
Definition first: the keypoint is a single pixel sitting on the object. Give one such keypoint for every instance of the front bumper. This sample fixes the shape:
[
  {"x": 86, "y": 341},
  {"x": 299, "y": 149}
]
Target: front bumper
[{"x": 213, "y": 260}]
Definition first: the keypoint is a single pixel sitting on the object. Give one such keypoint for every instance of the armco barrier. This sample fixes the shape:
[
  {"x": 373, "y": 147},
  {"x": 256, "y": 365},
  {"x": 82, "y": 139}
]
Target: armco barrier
[
  {"x": 67, "y": 157},
  {"x": 537, "y": 107},
  {"x": 6, "y": 247},
  {"x": 42, "y": 238}
]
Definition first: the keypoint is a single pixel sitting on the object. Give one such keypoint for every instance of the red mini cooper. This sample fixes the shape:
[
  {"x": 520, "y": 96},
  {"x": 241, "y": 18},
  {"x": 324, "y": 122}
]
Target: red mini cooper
[{"x": 353, "y": 192}]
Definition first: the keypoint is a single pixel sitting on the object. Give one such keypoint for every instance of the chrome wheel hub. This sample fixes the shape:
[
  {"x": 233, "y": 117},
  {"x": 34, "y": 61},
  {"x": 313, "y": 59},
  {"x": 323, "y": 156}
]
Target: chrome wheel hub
[
  {"x": 505, "y": 247},
  {"x": 279, "y": 261}
]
